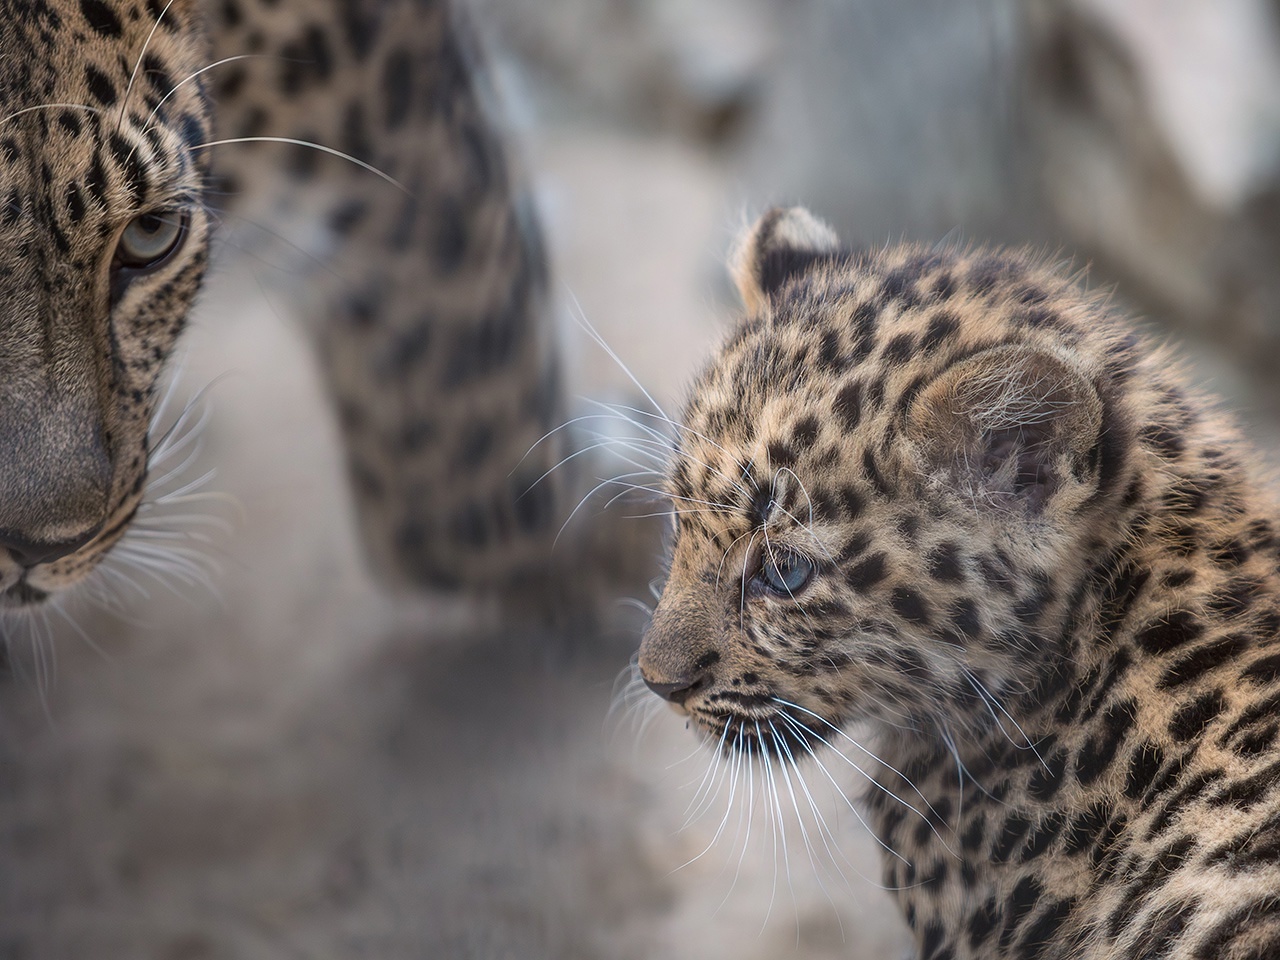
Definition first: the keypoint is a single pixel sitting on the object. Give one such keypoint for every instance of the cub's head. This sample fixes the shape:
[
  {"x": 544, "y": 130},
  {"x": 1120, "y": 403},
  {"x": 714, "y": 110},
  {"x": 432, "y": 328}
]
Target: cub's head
[
  {"x": 103, "y": 241},
  {"x": 887, "y": 485}
]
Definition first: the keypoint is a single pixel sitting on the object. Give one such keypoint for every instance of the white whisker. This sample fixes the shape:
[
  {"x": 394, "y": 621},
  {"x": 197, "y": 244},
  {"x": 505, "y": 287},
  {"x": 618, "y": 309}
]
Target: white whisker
[
  {"x": 581, "y": 317},
  {"x": 49, "y": 106},
  {"x": 137, "y": 64},
  {"x": 989, "y": 700},
  {"x": 311, "y": 146}
]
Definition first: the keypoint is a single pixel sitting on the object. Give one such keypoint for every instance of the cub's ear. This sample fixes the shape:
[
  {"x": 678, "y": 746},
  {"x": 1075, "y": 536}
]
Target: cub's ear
[
  {"x": 1013, "y": 423},
  {"x": 776, "y": 247}
]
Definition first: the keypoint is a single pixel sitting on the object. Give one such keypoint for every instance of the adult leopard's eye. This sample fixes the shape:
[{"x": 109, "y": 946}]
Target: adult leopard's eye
[
  {"x": 150, "y": 239},
  {"x": 785, "y": 572}
]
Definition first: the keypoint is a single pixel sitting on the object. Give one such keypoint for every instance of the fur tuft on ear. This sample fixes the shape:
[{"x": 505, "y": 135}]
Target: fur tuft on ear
[
  {"x": 778, "y": 246},
  {"x": 1012, "y": 423}
]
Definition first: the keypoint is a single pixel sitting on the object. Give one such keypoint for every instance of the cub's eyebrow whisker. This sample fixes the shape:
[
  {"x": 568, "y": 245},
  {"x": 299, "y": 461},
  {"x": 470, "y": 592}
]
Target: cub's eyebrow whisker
[
  {"x": 689, "y": 430},
  {"x": 628, "y": 487},
  {"x": 729, "y": 549},
  {"x": 660, "y": 458},
  {"x": 627, "y": 414},
  {"x": 580, "y": 316},
  {"x": 657, "y": 439},
  {"x": 742, "y": 589},
  {"x": 722, "y": 507},
  {"x": 674, "y": 511},
  {"x": 637, "y": 446},
  {"x": 803, "y": 489},
  {"x": 570, "y": 457},
  {"x": 671, "y": 513}
]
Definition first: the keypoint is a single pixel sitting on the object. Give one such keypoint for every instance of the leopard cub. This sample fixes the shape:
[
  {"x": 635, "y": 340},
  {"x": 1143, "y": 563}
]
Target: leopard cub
[{"x": 949, "y": 493}]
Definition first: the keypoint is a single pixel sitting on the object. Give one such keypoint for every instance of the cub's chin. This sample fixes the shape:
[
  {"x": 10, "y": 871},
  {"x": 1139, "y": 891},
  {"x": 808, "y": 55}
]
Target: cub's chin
[{"x": 787, "y": 734}]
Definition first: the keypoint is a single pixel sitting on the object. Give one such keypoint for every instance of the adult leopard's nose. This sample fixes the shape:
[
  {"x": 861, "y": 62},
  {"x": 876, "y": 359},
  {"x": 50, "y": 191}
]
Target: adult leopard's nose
[
  {"x": 31, "y": 553},
  {"x": 56, "y": 469}
]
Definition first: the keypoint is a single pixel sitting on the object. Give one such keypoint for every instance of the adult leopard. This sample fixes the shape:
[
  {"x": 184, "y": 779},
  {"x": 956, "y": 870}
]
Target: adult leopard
[
  {"x": 130, "y": 128},
  {"x": 951, "y": 494}
]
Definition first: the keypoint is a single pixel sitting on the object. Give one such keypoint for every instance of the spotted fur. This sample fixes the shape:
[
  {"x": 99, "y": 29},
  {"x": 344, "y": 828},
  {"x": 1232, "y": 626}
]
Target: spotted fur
[
  {"x": 422, "y": 275},
  {"x": 950, "y": 493}
]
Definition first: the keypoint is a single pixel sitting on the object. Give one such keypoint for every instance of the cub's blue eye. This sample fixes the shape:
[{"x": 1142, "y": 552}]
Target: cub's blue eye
[{"x": 785, "y": 573}]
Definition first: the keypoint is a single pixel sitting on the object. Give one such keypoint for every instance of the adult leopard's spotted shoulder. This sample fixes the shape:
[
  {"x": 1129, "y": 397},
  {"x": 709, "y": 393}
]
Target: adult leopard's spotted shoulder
[
  {"x": 950, "y": 493},
  {"x": 127, "y": 130}
]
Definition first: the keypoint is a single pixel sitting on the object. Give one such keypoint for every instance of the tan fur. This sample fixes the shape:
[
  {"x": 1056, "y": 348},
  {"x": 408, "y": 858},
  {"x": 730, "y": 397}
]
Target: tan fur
[
  {"x": 424, "y": 281},
  {"x": 80, "y": 365},
  {"x": 950, "y": 493}
]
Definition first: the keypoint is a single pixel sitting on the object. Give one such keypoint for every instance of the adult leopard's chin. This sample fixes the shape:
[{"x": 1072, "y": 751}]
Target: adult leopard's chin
[{"x": 22, "y": 595}]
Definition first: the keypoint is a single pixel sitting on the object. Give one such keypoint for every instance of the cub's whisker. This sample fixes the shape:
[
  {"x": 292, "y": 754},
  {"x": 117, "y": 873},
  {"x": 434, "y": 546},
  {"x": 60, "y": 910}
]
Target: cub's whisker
[
  {"x": 988, "y": 698},
  {"x": 804, "y": 731}
]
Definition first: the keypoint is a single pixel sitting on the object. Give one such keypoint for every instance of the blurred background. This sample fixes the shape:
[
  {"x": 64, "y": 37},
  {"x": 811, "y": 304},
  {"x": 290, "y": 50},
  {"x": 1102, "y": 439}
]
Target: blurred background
[{"x": 268, "y": 757}]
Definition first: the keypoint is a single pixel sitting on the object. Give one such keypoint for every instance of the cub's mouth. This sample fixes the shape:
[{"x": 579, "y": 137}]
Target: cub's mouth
[
  {"x": 751, "y": 720},
  {"x": 783, "y": 730}
]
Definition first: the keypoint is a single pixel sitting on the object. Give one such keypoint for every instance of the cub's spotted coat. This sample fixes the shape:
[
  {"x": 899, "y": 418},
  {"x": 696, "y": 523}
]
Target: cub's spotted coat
[
  {"x": 954, "y": 495},
  {"x": 426, "y": 296}
]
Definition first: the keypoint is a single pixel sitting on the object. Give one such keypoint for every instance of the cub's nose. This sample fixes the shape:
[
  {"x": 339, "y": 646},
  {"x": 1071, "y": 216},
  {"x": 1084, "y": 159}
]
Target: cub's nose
[
  {"x": 678, "y": 652},
  {"x": 677, "y": 692}
]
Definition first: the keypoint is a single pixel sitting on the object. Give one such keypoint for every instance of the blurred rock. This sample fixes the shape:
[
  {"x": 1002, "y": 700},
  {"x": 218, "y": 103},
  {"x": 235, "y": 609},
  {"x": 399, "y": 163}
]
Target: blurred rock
[
  {"x": 897, "y": 120},
  {"x": 656, "y": 65},
  {"x": 1157, "y": 134}
]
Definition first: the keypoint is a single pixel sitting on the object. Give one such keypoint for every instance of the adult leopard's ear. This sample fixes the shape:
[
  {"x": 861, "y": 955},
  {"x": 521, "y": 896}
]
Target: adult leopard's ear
[
  {"x": 1013, "y": 424},
  {"x": 781, "y": 244}
]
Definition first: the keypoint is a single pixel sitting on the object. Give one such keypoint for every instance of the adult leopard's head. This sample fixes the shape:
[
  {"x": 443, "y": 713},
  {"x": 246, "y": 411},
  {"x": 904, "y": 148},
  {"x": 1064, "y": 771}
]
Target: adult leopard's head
[
  {"x": 103, "y": 243},
  {"x": 889, "y": 483}
]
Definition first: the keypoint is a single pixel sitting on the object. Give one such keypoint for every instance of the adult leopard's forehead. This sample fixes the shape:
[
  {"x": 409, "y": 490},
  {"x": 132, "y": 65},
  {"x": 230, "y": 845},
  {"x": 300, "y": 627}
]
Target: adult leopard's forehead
[
  {"x": 78, "y": 160},
  {"x": 73, "y": 147}
]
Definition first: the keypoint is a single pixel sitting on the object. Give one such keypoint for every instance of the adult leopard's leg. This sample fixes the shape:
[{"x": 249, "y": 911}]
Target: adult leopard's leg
[{"x": 428, "y": 298}]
